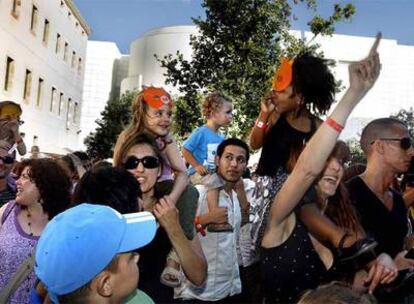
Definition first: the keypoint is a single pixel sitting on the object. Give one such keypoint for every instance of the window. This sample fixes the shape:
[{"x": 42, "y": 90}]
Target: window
[
  {"x": 33, "y": 20},
  {"x": 65, "y": 51},
  {"x": 79, "y": 65},
  {"x": 27, "y": 85},
  {"x": 73, "y": 59},
  {"x": 75, "y": 112},
  {"x": 58, "y": 41},
  {"x": 39, "y": 91},
  {"x": 52, "y": 99},
  {"x": 61, "y": 104},
  {"x": 46, "y": 31},
  {"x": 9, "y": 74},
  {"x": 62, "y": 3},
  {"x": 68, "y": 106},
  {"x": 16, "y": 8}
]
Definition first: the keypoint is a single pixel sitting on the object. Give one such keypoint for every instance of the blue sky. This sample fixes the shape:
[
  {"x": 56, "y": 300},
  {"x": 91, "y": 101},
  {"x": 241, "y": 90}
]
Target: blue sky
[{"x": 122, "y": 21}]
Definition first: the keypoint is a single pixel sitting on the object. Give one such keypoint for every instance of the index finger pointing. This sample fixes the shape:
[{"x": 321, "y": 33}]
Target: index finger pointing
[{"x": 376, "y": 44}]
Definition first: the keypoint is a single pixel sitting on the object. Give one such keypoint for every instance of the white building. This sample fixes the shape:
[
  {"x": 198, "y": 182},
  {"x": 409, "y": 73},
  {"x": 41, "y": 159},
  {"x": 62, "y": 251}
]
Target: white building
[
  {"x": 101, "y": 71},
  {"x": 143, "y": 68},
  {"x": 42, "y": 55}
]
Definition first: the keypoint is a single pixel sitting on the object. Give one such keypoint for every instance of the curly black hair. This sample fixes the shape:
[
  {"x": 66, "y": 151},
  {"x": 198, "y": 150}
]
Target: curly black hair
[
  {"x": 106, "y": 185},
  {"x": 313, "y": 79},
  {"x": 53, "y": 183}
]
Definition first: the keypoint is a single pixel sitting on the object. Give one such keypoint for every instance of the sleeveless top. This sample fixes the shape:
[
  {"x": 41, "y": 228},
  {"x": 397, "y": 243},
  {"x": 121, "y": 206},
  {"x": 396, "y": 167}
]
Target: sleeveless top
[
  {"x": 281, "y": 139},
  {"x": 291, "y": 268},
  {"x": 15, "y": 246}
]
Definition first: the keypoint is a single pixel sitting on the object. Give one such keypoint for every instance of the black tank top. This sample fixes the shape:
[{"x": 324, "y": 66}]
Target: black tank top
[{"x": 280, "y": 141}]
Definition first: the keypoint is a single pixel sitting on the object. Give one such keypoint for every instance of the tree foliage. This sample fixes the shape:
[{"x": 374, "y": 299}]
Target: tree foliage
[
  {"x": 236, "y": 52},
  {"x": 114, "y": 118},
  {"x": 406, "y": 116}
]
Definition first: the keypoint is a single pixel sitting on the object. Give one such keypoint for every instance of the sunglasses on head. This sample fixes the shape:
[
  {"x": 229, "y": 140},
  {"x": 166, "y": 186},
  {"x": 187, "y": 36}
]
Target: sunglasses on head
[
  {"x": 149, "y": 162},
  {"x": 405, "y": 142},
  {"x": 7, "y": 159}
]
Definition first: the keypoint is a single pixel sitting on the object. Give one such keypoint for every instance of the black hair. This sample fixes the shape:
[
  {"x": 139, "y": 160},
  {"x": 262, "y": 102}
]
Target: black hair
[
  {"x": 312, "y": 78},
  {"x": 233, "y": 142},
  {"x": 105, "y": 185}
]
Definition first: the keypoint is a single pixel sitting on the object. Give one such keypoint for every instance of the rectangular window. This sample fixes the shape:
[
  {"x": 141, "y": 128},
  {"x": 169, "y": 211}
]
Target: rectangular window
[
  {"x": 39, "y": 92},
  {"x": 68, "y": 116},
  {"x": 73, "y": 59},
  {"x": 61, "y": 103},
  {"x": 58, "y": 41},
  {"x": 27, "y": 85},
  {"x": 16, "y": 8},
  {"x": 52, "y": 99},
  {"x": 8, "y": 82},
  {"x": 46, "y": 31},
  {"x": 33, "y": 20},
  {"x": 66, "y": 51},
  {"x": 75, "y": 112}
]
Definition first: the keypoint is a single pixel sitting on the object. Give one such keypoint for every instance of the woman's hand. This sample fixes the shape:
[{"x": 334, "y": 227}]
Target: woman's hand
[
  {"x": 402, "y": 262},
  {"x": 382, "y": 271},
  {"x": 167, "y": 214},
  {"x": 267, "y": 106},
  {"x": 363, "y": 74}
]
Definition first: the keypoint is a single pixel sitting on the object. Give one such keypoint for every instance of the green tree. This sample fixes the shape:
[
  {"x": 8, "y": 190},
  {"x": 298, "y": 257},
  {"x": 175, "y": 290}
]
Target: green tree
[
  {"x": 236, "y": 52},
  {"x": 114, "y": 118},
  {"x": 357, "y": 155},
  {"x": 407, "y": 116}
]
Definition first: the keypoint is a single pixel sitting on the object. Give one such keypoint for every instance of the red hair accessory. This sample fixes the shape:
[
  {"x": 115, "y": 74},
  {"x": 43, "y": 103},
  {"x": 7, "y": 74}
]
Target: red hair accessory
[
  {"x": 283, "y": 75},
  {"x": 157, "y": 97}
]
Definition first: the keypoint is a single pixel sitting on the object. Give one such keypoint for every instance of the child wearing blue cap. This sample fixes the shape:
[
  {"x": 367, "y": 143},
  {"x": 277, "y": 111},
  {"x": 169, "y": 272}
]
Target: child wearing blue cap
[{"x": 86, "y": 255}]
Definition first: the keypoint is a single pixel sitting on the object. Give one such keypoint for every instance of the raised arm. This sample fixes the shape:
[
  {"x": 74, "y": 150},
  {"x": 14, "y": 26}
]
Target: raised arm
[{"x": 362, "y": 75}]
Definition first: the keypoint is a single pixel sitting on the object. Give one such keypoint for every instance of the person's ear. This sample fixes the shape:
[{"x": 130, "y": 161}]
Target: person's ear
[
  {"x": 217, "y": 160},
  {"x": 103, "y": 284},
  {"x": 378, "y": 146},
  {"x": 299, "y": 99}
]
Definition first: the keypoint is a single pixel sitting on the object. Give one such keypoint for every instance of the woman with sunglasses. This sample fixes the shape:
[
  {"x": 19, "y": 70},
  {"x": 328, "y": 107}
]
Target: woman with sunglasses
[
  {"x": 142, "y": 158},
  {"x": 43, "y": 191}
]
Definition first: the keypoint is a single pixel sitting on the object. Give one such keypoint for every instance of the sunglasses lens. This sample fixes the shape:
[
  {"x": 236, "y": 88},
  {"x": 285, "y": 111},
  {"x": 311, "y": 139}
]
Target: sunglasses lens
[
  {"x": 131, "y": 163},
  {"x": 7, "y": 159},
  {"x": 406, "y": 143},
  {"x": 150, "y": 162}
]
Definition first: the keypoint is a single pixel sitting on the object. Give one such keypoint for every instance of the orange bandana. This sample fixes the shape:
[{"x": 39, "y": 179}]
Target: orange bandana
[
  {"x": 283, "y": 75},
  {"x": 157, "y": 97}
]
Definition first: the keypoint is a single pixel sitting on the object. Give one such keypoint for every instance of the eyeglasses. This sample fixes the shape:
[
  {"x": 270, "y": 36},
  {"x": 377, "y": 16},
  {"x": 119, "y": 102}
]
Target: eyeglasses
[
  {"x": 7, "y": 159},
  {"x": 149, "y": 162},
  {"x": 405, "y": 142}
]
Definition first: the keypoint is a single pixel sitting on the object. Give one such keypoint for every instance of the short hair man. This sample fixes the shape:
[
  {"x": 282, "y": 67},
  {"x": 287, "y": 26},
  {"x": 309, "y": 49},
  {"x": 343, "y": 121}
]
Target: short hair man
[
  {"x": 220, "y": 249},
  {"x": 7, "y": 184},
  {"x": 86, "y": 254},
  {"x": 389, "y": 148}
]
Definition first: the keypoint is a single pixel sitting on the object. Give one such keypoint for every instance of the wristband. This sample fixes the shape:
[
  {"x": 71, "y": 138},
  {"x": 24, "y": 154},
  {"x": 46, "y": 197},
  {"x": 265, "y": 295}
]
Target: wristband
[
  {"x": 261, "y": 124},
  {"x": 19, "y": 141},
  {"x": 198, "y": 226},
  {"x": 334, "y": 125}
]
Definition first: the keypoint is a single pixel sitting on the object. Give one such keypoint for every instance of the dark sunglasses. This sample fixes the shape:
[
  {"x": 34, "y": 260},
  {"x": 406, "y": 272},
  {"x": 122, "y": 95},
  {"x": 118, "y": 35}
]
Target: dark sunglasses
[
  {"x": 405, "y": 142},
  {"x": 149, "y": 162},
  {"x": 7, "y": 159}
]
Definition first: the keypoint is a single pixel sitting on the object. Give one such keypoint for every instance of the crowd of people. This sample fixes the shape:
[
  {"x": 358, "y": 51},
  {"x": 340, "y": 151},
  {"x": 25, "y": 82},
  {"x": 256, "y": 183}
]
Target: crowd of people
[{"x": 160, "y": 224}]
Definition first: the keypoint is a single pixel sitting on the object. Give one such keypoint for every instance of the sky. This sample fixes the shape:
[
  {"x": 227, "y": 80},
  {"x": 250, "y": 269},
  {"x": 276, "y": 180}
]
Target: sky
[{"x": 123, "y": 21}]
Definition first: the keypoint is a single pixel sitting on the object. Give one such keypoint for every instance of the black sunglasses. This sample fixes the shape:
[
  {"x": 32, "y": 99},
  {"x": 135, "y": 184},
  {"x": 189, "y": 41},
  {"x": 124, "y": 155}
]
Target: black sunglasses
[
  {"x": 149, "y": 162},
  {"x": 405, "y": 142},
  {"x": 7, "y": 159}
]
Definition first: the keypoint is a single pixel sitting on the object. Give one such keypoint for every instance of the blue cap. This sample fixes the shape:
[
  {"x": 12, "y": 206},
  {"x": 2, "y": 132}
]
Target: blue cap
[{"x": 80, "y": 242}]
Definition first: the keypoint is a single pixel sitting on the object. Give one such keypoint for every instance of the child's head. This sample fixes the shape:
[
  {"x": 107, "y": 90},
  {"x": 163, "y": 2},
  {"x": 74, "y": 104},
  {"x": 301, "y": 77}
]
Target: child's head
[
  {"x": 151, "y": 112},
  {"x": 85, "y": 254},
  {"x": 217, "y": 108}
]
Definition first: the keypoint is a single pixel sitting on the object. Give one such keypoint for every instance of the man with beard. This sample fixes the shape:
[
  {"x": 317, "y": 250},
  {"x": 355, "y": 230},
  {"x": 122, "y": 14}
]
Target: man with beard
[{"x": 7, "y": 185}]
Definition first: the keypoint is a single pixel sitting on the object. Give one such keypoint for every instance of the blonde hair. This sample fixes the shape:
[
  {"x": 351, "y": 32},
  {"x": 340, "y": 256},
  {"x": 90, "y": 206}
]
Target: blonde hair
[{"x": 212, "y": 103}]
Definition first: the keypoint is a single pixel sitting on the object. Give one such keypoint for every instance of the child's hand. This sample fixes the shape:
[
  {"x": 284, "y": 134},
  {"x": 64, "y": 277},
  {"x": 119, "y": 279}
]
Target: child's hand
[{"x": 201, "y": 170}]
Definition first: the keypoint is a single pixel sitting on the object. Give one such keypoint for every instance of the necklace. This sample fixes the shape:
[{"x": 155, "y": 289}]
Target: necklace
[{"x": 29, "y": 223}]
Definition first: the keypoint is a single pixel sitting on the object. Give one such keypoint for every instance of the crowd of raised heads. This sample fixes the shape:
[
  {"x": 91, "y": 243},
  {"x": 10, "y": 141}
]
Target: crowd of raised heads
[{"x": 201, "y": 223}]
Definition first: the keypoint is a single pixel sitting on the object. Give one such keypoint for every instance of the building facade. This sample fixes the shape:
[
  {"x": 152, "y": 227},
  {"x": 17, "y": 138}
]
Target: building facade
[
  {"x": 102, "y": 70},
  {"x": 42, "y": 59}
]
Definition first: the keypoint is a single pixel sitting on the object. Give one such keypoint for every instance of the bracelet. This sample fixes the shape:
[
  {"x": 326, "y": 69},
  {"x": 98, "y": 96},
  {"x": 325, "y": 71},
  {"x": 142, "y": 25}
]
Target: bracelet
[
  {"x": 19, "y": 141},
  {"x": 261, "y": 124},
  {"x": 198, "y": 226},
  {"x": 334, "y": 125}
]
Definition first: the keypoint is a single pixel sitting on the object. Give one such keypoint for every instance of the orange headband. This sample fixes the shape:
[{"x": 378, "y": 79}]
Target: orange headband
[
  {"x": 283, "y": 75},
  {"x": 156, "y": 97}
]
